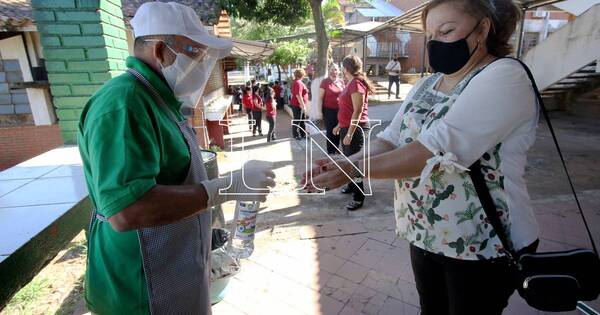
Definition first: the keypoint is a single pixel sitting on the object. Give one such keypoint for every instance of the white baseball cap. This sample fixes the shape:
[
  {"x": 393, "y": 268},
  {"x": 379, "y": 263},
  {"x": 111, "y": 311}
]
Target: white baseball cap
[{"x": 159, "y": 18}]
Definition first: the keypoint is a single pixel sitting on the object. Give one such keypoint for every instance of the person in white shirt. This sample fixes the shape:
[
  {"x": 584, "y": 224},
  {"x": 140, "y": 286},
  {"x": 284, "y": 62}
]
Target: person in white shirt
[
  {"x": 393, "y": 69},
  {"x": 477, "y": 107}
]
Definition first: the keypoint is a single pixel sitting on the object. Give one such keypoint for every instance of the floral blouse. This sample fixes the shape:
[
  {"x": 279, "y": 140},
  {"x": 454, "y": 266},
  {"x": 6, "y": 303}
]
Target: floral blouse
[{"x": 440, "y": 211}]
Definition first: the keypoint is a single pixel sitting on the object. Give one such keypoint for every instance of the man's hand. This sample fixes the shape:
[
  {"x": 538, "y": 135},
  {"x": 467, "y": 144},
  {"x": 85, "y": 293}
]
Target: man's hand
[{"x": 251, "y": 183}]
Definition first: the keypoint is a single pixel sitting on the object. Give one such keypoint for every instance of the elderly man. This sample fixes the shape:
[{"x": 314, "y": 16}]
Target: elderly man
[{"x": 149, "y": 238}]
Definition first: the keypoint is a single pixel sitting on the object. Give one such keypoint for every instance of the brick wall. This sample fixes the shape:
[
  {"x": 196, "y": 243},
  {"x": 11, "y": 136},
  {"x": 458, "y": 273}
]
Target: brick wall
[
  {"x": 85, "y": 45},
  {"x": 21, "y": 143}
]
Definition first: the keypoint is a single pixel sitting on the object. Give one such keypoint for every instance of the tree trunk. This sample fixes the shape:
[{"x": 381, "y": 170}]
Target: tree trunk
[
  {"x": 322, "y": 40},
  {"x": 314, "y": 111}
]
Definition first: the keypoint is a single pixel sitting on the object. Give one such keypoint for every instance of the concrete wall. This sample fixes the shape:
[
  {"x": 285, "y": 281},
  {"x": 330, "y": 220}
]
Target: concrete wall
[{"x": 567, "y": 50}]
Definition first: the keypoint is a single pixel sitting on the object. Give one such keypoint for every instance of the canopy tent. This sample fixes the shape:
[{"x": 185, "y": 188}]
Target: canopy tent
[
  {"x": 380, "y": 8},
  {"x": 251, "y": 50},
  {"x": 354, "y": 32},
  {"x": 410, "y": 21}
]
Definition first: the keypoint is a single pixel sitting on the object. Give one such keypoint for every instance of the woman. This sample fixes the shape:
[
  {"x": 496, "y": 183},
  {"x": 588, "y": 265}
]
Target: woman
[
  {"x": 329, "y": 91},
  {"x": 257, "y": 108},
  {"x": 271, "y": 110},
  {"x": 247, "y": 104},
  {"x": 475, "y": 108},
  {"x": 353, "y": 119},
  {"x": 299, "y": 101}
]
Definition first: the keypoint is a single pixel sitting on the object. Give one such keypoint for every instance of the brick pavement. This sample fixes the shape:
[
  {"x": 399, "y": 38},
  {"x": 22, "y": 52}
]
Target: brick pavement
[{"x": 313, "y": 257}]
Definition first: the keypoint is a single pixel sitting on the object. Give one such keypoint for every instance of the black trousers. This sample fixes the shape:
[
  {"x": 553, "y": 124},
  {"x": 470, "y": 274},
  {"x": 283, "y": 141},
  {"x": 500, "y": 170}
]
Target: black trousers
[
  {"x": 355, "y": 146},
  {"x": 330, "y": 119},
  {"x": 249, "y": 113},
  {"x": 391, "y": 80},
  {"x": 271, "y": 120},
  {"x": 449, "y": 286},
  {"x": 257, "y": 115},
  {"x": 298, "y": 114},
  {"x": 280, "y": 102}
]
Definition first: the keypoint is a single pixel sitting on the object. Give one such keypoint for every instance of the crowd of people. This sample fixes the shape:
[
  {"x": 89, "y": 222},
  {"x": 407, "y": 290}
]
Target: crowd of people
[{"x": 344, "y": 97}]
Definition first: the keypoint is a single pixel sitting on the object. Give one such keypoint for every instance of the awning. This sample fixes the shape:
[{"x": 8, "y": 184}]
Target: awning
[
  {"x": 251, "y": 50},
  {"x": 410, "y": 21},
  {"x": 385, "y": 7},
  {"x": 353, "y": 32}
]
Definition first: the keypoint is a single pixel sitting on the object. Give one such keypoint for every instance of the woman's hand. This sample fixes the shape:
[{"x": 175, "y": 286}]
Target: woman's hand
[
  {"x": 327, "y": 174},
  {"x": 336, "y": 130},
  {"x": 347, "y": 139}
]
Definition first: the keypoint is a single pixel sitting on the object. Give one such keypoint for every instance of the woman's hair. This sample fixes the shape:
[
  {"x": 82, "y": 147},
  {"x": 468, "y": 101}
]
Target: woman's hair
[
  {"x": 247, "y": 89},
  {"x": 353, "y": 65},
  {"x": 299, "y": 73},
  {"x": 268, "y": 93},
  {"x": 255, "y": 89},
  {"x": 503, "y": 14}
]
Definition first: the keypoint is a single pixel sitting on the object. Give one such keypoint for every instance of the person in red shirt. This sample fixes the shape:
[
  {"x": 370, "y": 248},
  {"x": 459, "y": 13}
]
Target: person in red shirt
[
  {"x": 299, "y": 101},
  {"x": 271, "y": 109},
  {"x": 353, "y": 119},
  {"x": 278, "y": 94},
  {"x": 247, "y": 105},
  {"x": 330, "y": 89},
  {"x": 257, "y": 108}
]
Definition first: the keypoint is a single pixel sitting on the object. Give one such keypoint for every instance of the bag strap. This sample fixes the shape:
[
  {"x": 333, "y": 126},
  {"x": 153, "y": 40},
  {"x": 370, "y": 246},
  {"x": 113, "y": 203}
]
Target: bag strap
[
  {"x": 489, "y": 207},
  {"x": 484, "y": 194}
]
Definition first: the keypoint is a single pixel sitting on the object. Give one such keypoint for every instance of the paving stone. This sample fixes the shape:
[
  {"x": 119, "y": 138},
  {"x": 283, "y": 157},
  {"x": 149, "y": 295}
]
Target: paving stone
[
  {"x": 395, "y": 307},
  {"x": 346, "y": 246},
  {"x": 409, "y": 292},
  {"x": 329, "y": 262},
  {"x": 331, "y": 229},
  {"x": 339, "y": 288},
  {"x": 371, "y": 253},
  {"x": 379, "y": 282},
  {"x": 387, "y": 236},
  {"x": 366, "y": 300},
  {"x": 347, "y": 310},
  {"x": 352, "y": 271}
]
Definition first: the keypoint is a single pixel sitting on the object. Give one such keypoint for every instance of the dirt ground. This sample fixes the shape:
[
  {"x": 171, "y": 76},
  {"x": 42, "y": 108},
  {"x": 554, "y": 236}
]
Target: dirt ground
[{"x": 58, "y": 288}]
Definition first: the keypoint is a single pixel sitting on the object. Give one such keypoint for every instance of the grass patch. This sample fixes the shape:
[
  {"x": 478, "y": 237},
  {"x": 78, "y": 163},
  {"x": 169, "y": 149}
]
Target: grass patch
[{"x": 25, "y": 301}]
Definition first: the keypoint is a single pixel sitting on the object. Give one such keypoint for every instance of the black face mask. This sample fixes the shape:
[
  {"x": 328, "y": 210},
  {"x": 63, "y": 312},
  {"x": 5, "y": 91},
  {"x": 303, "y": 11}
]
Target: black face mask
[{"x": 450, "y": 57}]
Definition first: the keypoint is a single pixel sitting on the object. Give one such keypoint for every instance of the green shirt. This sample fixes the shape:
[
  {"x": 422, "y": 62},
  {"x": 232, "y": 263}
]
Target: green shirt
[{"x": 128, "y": 144}]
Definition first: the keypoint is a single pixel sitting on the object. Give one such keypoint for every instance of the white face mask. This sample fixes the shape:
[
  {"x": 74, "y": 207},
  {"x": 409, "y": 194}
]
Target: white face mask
[{"x": 187, "y": 77}]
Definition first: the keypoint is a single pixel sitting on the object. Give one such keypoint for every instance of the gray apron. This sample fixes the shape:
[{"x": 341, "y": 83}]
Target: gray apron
[{"x": 176, "y": 256}]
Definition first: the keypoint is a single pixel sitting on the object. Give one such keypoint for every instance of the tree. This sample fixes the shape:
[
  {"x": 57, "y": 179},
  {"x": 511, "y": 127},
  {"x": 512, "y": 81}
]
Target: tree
[{"x": 288, "y": 53}]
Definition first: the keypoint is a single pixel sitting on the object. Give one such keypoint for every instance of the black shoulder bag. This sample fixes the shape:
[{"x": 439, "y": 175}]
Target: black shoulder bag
[{"x": 551, "y": 281}]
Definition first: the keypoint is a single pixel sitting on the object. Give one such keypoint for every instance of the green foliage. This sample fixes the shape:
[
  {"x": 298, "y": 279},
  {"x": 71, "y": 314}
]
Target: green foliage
[
  {"x": 332, "y": 14},
  {"x": 287, "y": 53},
  {"x": 280, "y": 12},
  {"x": 252, "y": 30}
]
